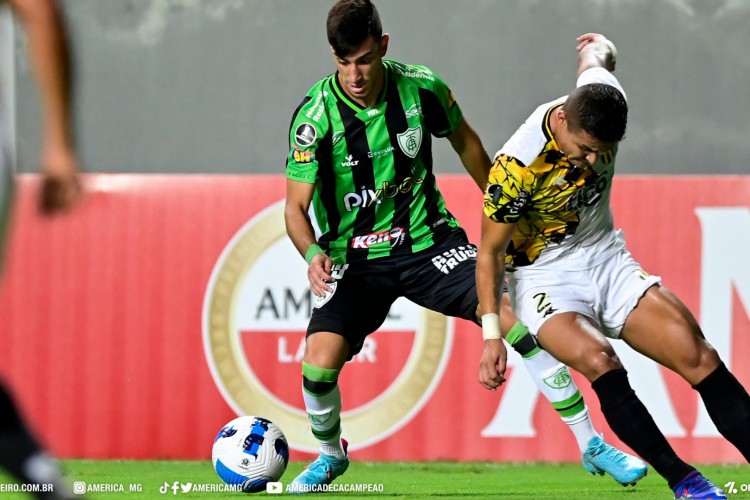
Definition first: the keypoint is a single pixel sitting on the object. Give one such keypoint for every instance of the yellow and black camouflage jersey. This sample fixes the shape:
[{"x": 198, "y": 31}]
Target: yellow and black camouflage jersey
[{"x": 555, "y": 205}]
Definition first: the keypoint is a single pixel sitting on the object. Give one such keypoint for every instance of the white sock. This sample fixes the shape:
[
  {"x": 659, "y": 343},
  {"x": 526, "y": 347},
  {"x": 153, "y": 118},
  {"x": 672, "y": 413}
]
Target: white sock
[
  {"x": 582, "y": 427},
  {"x": 324, "y": 414},
  {"x": 553, "y": 380}
]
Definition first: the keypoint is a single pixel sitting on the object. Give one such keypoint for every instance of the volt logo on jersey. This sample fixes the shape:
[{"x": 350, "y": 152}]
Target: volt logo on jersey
[
  {"x": 305, "y": 135},
  {"x": 350, "y": 162},
  {"x": 410, "y": 141}
]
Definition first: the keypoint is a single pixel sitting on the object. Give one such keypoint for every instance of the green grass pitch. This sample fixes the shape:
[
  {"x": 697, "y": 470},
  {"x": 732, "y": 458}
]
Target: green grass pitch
[{"x": 399, "y": 480}]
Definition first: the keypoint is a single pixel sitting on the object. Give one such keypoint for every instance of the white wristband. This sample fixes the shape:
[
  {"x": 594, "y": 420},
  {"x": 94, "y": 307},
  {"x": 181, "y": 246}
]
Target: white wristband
[
  {"x": 612, "y": 49},
  {"x": 491, "y": 326}
]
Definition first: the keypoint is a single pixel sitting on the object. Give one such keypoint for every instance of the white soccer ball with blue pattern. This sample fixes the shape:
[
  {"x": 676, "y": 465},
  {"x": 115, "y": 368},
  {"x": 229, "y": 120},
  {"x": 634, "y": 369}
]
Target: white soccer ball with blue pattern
[{"x": 250, "y": 451}]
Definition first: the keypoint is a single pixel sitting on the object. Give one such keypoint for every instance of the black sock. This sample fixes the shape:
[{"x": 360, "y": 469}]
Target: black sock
[
  {"x": 633, "y": 424},
  {"x": 16, "y": 444},
  {"x": 728, "y": 405}
]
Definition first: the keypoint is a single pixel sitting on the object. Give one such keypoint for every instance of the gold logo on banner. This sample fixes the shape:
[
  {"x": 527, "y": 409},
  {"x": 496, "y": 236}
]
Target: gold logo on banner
[{"x": 245, "y": 393}]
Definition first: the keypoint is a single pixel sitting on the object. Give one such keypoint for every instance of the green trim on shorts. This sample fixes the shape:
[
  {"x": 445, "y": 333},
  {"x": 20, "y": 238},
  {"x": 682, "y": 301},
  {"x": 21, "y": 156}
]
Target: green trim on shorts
[{"x": 570, "y": 406}]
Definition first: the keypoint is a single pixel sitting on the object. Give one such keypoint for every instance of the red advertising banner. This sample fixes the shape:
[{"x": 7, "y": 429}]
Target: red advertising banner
[{"x": 141, "y": 322}]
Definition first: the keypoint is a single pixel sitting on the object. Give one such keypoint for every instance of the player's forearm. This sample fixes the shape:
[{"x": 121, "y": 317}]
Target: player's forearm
[
  {"x": 475, "y": 160},
  {"x": 489, "y": 277},
  {"x": 596, "y": 54},
  {"x": 42, "y": 22},
  {"x": 299, "y": 228}
]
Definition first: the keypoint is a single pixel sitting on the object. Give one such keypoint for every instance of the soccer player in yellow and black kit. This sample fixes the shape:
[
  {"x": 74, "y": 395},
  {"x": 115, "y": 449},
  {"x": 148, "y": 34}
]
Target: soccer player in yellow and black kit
[
  {"x": 574, "y": 283},
  {"x": 360, "y": 152}
]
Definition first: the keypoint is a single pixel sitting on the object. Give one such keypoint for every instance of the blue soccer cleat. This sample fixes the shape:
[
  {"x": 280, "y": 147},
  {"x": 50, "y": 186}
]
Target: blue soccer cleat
[
  {"x": 322, "y": 471},
  {"x": 694, "y": 485},
  {"x": 601, "y": 457}
]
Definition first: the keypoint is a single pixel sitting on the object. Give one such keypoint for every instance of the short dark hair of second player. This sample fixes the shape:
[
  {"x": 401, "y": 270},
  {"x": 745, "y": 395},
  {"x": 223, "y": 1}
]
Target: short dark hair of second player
[
  {"x": 598, "y": 109},
  {"x": 349, "y": 24}
]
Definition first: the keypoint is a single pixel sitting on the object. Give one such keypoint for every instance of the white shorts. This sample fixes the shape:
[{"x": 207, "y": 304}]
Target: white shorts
[{"x": 606, "y": 293}]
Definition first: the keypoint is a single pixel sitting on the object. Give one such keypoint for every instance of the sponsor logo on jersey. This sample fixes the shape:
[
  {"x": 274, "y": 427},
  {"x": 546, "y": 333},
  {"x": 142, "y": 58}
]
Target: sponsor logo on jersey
[
  {"x": 350, "y": 162},
  {"x": 448, "y": 260},
  {"x": 414, "y": 110},
  {"x": 378, "y": 154},
  {"x": 367, "y": 197},
  {"x": 588, "y": 195},
  {"x": 422, "y": 73},
  {"x": 337, "y": 137},
  {"x": 410, "y": 141},
  {"x": 373, "y": 112},
  {"x": 317, "y": 109},
  {"x": 300, "y": 156},
  {"x": 394, "y": 235},
  {"x": 305, "y": 135}
]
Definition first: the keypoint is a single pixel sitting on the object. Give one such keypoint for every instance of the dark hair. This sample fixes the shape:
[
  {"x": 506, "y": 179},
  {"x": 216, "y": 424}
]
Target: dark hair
[
  {"x": 598, "y": 109},
  {"x": 349, "y": 24}
]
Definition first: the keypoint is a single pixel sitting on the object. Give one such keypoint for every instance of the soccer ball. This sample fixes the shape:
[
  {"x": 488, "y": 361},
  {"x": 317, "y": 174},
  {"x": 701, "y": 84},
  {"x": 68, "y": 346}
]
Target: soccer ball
[{"x": 250, "y": 451}]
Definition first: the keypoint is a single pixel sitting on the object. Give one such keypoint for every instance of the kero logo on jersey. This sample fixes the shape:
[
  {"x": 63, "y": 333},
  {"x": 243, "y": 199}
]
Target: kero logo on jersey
[
  {"x": 395, "y": 236},
  {"x": 255, "y": 314},
  {"x": 410, "y": 141}
]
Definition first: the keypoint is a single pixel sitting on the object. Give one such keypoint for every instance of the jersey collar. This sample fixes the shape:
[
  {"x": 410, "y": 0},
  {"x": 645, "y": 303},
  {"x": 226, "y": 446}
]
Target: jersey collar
[{"x": 343, "y": 96}]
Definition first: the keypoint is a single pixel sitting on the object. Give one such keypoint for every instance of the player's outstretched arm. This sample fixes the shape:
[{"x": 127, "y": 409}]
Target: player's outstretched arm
[
  {"x": 465, "y": 141},
  {"x": 299, "y": 228},
  {"x": 489, "y": 275},
  {"x": 595, "y": 51},
  {"x": 48, "y": 51}
]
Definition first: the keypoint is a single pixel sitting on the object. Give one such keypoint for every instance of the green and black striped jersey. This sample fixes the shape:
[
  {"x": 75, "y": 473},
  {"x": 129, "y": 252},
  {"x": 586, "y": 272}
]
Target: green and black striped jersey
[{"x": 375, "y": 192}]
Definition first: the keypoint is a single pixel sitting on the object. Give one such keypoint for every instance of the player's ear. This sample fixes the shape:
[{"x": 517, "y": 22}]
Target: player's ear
[{"x": 384, "y": 44}]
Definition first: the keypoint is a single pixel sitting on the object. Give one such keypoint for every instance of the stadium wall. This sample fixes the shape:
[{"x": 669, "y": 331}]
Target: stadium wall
[
  {"x": 139, "y": 324},
  {"x": 209, "y": 86}
]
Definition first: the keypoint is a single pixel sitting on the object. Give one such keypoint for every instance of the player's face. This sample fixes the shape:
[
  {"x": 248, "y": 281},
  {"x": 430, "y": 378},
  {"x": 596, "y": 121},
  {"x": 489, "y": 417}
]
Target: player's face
[
  {"x": 361, "y": 72},
  {"x": 581, "y": 148}
]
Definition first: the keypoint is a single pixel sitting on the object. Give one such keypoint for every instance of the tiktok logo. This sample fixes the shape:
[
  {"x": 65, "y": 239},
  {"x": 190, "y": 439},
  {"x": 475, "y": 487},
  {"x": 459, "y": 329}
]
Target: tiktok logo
[{"x": 166, "y": 487}]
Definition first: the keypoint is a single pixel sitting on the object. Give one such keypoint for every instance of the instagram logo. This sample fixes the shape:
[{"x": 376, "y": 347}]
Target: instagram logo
[{"x": 79, "y": 487}]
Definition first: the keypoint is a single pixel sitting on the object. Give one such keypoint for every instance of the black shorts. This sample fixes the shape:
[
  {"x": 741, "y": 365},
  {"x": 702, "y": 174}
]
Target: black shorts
[{"x": 440, "y": 278}]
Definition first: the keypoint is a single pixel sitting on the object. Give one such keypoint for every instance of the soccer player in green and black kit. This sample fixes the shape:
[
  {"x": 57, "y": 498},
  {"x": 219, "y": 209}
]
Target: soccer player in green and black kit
[{"x": 360, "y": 152}]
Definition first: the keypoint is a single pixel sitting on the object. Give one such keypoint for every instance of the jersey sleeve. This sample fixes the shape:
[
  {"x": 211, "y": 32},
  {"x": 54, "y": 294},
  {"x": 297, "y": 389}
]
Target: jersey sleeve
[
  {"x": 600, "y": 75},
  {"x": 442, "y": 112},
  {"x": 509, "y": 190},
  {"x": 309, "y": 125}
]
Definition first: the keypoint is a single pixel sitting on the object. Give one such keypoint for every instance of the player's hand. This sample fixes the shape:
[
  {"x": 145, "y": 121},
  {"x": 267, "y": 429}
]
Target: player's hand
[
  {"x": 492, "y": 364},
  {"x": 319, "y": 274},
  {"x": 61, "y": 187},
  {"x": 588, "y": 38}
]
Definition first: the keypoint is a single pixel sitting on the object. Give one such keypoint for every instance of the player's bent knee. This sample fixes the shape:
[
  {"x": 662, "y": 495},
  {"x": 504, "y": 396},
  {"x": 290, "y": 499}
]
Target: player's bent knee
[
  {"x": 697, "y": 363},
  {"x": 594, "y": 365},
  {"x": 326, "y": 350}
]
